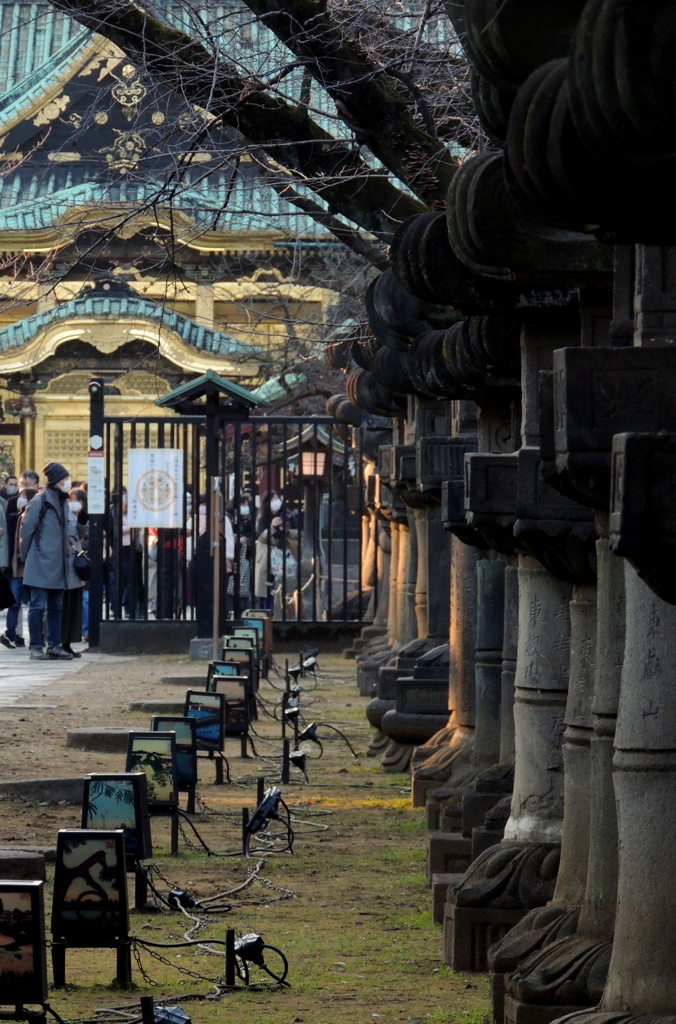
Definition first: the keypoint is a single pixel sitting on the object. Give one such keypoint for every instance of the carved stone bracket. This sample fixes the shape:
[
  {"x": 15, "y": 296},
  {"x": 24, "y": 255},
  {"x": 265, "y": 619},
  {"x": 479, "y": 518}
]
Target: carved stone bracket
[
  {"x": 569, "y": 972},
  {"x": 534, "y": 932},
  {"x": 600, "y": 392},
  {"x": 511, "y": 876},
  {"x": 491, "y": 497},
  {"x": 643, "y": 510}
]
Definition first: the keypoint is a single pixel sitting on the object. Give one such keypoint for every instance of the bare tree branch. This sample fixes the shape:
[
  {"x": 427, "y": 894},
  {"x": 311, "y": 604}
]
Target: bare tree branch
[{"x": 286, "y": 132}]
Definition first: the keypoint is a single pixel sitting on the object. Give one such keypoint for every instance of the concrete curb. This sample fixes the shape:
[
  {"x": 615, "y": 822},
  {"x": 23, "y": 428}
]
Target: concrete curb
[
  {"x": 112, "y": 740},
  {"x": 158, "y": 707},
  {"x": 43, "y": 790}
]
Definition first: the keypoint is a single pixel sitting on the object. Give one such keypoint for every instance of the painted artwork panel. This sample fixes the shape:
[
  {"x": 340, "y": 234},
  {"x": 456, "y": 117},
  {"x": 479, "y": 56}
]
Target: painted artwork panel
[
  {"x": 224, "y": 668},
  {"x": 246, "y": 632},
  {"x": 236, "y": 717},
  {"x": 240, "y": 643},
  {"x": 155, "y": 754},
  {"x": 90, "y": 887},
  {"x": 117, "y": 802},
  {"x": 256, "y": 624},
  {"x": 207, "y": 710},
  {"x": 241, "y": 660},
  {"x": 23, "y": 971},
  {"x": 229, "y": 686},
  {"x": 186, "y": 762}
]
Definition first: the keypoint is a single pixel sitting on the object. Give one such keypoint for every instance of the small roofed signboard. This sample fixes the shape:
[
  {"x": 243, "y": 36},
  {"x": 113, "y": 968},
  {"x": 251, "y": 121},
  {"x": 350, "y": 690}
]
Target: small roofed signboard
[{"x": 155, "y": 496}]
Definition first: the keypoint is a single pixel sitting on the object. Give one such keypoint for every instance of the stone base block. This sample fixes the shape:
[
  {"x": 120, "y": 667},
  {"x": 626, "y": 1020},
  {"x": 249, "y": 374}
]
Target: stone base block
[
  {"x": 158, "y": 707},
  {"x": 483, "y": 838},
  {"x": 535, "y": 1013},
  {"x": 447, "y": 853},
  {"x": 201, "y": 649},
  {"x": 141, "y": 636},
  {"x": 474, "y": 809},
  {"x": 421, "y": 787},
  {"x": 450, "y": 814},
  {"x": 27, "y": 865},
  {"x": 187, "y": 682},
  {"x": 498, "y": 997},
  {"x": 470, "y": 931},
  {"x": 367, "y": 683},
  {"x": 440, "y": 884}
]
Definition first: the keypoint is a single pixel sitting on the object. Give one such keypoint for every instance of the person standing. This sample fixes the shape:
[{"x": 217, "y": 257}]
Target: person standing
[
  {"x": 44, "y": 548},
  {"x": 71, "y": 612},
  {"x": 28, "y": 486}
]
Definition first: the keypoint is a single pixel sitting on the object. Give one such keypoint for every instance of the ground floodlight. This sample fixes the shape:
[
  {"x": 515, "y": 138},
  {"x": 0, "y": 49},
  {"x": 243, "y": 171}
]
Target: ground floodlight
[
  {"x": 309, "y": 659},
  {"x": 294, "y": 673},
  {"x": 292, "y": 712},
  {"x": 309, "y": 733},
  {"x": 266, "y": 811},
  {"x": 298, "y": 760},
  {"x": 250, "y": 947},
  {"x": 170, "y": 1015}
]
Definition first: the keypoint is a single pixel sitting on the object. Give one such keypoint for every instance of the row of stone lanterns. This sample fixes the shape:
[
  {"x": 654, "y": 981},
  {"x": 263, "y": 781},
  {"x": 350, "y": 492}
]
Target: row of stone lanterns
[{"x": 524, "y": 671}]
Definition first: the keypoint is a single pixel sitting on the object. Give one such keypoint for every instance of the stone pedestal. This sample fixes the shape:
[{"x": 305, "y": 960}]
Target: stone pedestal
[
  {"x": 520, "y": 873},
  {"x": 461, "y": 682},
  {"x": 563, "y": 960},
  {"x": 521, "y": 989}
]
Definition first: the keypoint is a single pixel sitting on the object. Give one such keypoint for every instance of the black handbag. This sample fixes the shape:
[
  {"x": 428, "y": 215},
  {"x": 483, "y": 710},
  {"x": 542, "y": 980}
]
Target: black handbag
[{"x": 82, "y": 565}]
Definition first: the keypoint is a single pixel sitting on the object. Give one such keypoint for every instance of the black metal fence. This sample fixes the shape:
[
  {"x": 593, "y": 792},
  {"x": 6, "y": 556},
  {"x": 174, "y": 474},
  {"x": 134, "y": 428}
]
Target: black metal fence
[{"x": 302, "y": 558}]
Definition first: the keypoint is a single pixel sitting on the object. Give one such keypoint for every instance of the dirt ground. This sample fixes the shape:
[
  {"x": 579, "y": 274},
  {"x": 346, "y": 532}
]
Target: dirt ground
[{"x": 348, "y": 906}]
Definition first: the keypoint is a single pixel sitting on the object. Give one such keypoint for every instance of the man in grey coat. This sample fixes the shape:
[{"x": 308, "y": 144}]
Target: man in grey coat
[{"x": 44, "y": 547}]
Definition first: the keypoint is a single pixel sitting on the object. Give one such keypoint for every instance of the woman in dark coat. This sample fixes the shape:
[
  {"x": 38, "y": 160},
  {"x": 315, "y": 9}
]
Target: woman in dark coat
[
  {"x": 71, "y": 613},
  {"x": 271, "y": 506}
]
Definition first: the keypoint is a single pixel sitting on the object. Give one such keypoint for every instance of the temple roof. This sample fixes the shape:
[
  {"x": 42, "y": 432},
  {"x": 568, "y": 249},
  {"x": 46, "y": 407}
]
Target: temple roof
[
  {"x": 210, "y": 384},
  {"x": 85, "y": 129},
  {"x": 111, "y": 297}
]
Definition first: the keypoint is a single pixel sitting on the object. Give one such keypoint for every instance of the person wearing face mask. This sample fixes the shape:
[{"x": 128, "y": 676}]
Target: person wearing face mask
[
  {"x": 240, "y": 515},
  {"x": 271, "y": 506},
  {"x": 28, "y": 488},
  {"x": 276, "y": 565},
  {"x": 11, "y": 487},
  {"x": 73, "y": 597},
  {"x": 11, "y": 638},
  {"x": 45, "y": 549}
]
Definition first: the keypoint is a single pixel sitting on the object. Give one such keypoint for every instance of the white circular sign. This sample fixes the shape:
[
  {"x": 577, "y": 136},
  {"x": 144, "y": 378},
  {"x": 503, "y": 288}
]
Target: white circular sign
[{"x": 156, "y": 490}]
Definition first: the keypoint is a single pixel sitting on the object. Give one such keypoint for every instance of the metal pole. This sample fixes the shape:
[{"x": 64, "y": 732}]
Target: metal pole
[
  {"x": 147, "y": 1010},
  {"x": 96, "y": 478},
  {"x": 216, "y": 561},
  {"x": 230, "y": 958},
  {"x": 285, "y": 762}
]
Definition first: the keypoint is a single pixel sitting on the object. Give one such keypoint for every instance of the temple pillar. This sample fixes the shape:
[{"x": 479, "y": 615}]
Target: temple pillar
[
  {"x": 559, "y": 918},
  {"x": 561, "y": 960},
  {"x": 506, "y": 880},
  {"x": 510, "y": 633}
]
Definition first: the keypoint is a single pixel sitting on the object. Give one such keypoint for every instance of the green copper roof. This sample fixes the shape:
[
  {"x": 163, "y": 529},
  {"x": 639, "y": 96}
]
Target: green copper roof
[
  {"x": 201, "y": 205},
  {"x": 209, "y": 383},
  {"x": 122, "y": 302},
  {"x": 27, "y": 92},
  {"x": 30, "y": 34},
  {"x": 100, "y": 140},
  {"x": 279, "y": 387}
]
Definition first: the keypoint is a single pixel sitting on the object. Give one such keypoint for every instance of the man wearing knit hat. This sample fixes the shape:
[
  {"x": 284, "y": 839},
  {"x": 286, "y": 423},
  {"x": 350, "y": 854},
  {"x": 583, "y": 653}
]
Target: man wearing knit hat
[{"x": 45, "y": 549}]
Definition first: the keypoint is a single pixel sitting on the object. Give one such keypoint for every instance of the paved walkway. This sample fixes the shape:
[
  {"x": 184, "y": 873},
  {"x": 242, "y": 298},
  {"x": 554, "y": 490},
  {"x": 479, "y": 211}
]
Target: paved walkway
[{"x": 19, "y": 676}]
